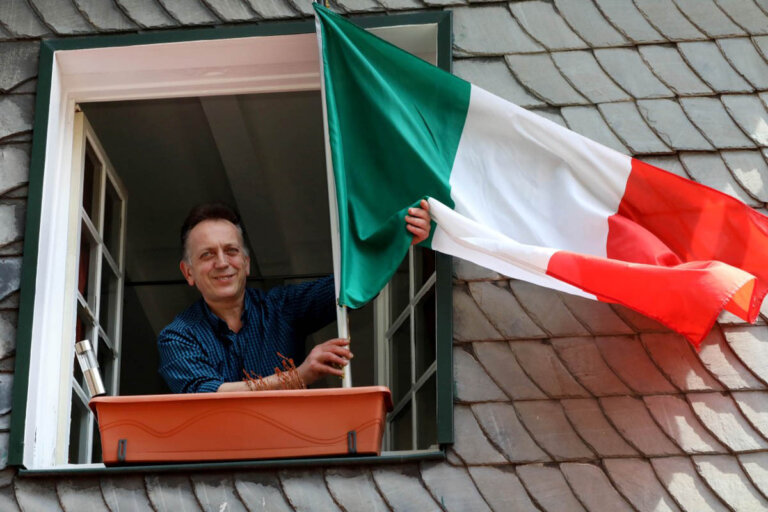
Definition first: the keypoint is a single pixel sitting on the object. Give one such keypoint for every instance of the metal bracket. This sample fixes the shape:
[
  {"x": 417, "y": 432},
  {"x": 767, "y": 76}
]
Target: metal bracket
[
  {"x": 122, "y": 447},
  {"x": 352, "y": 442}
]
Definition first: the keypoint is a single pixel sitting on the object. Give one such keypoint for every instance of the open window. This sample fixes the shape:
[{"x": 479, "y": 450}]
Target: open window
[{"x": 131, "y": 132}]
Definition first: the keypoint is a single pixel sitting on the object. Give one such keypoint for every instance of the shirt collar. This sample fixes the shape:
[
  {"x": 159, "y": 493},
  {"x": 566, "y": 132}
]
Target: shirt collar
[{"x": 219, "y": 325}]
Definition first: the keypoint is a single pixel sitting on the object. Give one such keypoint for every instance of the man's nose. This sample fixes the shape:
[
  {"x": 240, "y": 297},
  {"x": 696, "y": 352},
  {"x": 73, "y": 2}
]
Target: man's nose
[{"x": 221, "y": 258}]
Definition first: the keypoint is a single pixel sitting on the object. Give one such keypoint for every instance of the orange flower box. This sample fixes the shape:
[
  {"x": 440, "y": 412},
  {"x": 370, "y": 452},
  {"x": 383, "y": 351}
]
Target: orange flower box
[{"x": 243, "y": 425}]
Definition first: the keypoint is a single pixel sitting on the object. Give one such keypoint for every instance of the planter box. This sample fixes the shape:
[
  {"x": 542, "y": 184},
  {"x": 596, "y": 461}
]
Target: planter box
[{"x": 248, "y": 425}]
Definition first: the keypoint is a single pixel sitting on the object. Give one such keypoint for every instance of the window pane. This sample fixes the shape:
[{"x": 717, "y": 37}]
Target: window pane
[
  {"x": 113, "y": 207},
  {"x": 91, "y": 178},
  {"x": 86, "y": 266},
  {"x": 108, "y": 300},
  {"x": 426, "y": 414},
  {"x": 402, "y": 433},
  {"x": 401, "y": 361},
  {"x": 423, "y": 265},
  {"x": 399, "y": 291},
  {"x": 78, "y": 431},
  {"x": 96, "y": 453},
  {"x": 106, "y": 359},
  {"x": 424, "y": 337}
]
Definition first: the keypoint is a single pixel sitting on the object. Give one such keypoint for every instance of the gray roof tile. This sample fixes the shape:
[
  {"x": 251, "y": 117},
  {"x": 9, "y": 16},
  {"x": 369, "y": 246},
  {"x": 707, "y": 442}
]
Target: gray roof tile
[
  {"x": 749, "y": 344},
  {"x": 8, "y": 500},
  {"x": 755, "y": 465},
  {"x": 18, "y": 62},
  {"x": 503, "y": 311},
  {"x": 469, "y": 323},
  {"x": 709, "y": 169},
  {"x": 368, "y": 5},
  {"x": 146, "y": 13},
  {"x": 76, "y": 494},
  {"x": 583, "y": 72},
  {"x": 669, "y": 121},
  {"x": 709, "y": 115},
  {"x": 12, "y": 222},
  {"x": 550, "y": 114},
  {"x": 750, "y": 170},
  {"x": 546, "y": 308},
  {"x": 588, "y": 122},
  {"x": 37, "y": 494},
  {"x": 546, "y": 422},
  {"x": 593, "y": 427},
  {"x": 709, "y": 18},
  {"x": 401, "y": 487},
  {"x": 468, "y": 271},
  {"x": 8, "y": 321},
  {"x": 725, "y": 477},
  {"x": 626, "y": 67},
  {"x": 676, "y": 359},
  {"x": 584, "y": 361},
  {"x": 676, "y": 418},
  {"x": 634, "y": 422},
  {"x": 306, "y": 490},
  {"x": 539, "y": 74},
  {"x": 494, "y": 76},
  {"x": 216, "y": 492},
  {"x": 16, "y": 112},
  {"x": 543, "y": 366},
  {"x": 472, "y": 383},
  {"x": 743, "y": 56},
  {"x": 272, "y": 9},
  {"x": 500, "y": 423},
  {"x": 354, "y": 489},
  {"x": 500, "y": 363},
  {"x": 625, "y": 17},
  {"x": 548, "y": 487},
  {"x": 230, "y": 10},
  {"x": 470, "y": 442},
  {"x": 489, "y": 31},
  {"x": 125, "y": 492},
  {"x": 104, "y": 15},
  {"x": 669, "y": 66},
  {"x": 10, "y": 301},
  {"x": 710, "y": 64},
  {"x": 754, "y": 405},
  {"x": 634, "y": 319},
  {"x": 720, "y": 360},
  {"x": 10, "y": 275},
  {"x": 303, "y": 7},
  {"x": 262, "y": 489},
  {"x": 452, "y": 487},
  {"x": 542, "y": 21},
  {"x": 29, "y": 86},
  {"x": 598, "y": 317},
  {"x": 400, "y": 4},
  {"x": 14, "y": 166},
  {"x": 636, "y": 480},
  {"x": 721, "y": 417},
  {"x": 669, "y": 20},
  {"x": 749, "y": 114},
  {"x": 19, "y": 17},
  {"x": 593, "y": 488},
  {"x": 501, "y": 489},
  {"x": 746, "y": 14},
  {"x": 170, "y": 492},
  {"x": 189, "y": 12},
  {"x": 680, "y": 478},
  {"x": 627, "y": 357},
  {"x": 589, "y": 23},
  {"x": 626, "y": 121},
  {"x": 444, "y": 2}
]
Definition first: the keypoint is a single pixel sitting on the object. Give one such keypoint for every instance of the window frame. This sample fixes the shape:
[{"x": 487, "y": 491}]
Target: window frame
[{"x": 59, "y": 88}]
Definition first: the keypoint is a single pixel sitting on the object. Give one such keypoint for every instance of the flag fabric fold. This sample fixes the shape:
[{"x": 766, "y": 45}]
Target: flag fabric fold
[{"x": 516, "y": 193}]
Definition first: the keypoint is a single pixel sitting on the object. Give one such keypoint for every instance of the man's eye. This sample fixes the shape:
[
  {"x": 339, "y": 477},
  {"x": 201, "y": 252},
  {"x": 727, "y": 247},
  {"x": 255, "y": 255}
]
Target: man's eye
[
  {"x": 206, "y": 255},
  {"x": 232, "y": 251}
]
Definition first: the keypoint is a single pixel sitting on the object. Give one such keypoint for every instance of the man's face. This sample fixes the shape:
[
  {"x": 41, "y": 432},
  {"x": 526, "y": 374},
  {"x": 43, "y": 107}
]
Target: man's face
[{"x": 217, "y": 264}]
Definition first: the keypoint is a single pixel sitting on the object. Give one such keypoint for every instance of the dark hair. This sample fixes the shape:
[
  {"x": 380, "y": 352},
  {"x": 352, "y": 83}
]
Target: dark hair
[{"x": 209, "y": 211}]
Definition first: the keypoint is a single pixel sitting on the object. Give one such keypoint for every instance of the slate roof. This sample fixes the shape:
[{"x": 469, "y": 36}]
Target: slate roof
[{"x": 561, "y": 403}]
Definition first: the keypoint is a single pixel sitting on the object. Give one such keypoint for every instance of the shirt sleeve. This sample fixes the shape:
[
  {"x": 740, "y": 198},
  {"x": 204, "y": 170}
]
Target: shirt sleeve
[
  {"x": 311, "y": 305},
  {"x": 183, "y": 364}
]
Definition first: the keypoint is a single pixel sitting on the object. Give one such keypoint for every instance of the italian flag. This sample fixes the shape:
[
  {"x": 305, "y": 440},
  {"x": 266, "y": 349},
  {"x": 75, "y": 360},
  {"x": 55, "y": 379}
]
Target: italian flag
[{"x": 518, "y": 194}]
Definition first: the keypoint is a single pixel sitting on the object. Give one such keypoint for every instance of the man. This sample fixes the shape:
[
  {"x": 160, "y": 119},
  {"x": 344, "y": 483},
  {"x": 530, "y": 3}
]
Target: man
[{"x": 234, "y": 328}]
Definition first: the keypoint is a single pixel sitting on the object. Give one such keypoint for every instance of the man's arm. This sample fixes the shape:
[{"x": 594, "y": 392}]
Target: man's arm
[{"x": 183, "y": 365}]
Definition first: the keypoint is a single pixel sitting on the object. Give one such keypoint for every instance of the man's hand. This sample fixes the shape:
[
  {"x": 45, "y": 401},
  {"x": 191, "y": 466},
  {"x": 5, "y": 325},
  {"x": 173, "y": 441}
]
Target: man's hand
[
  {"x": 418, "y": 222},
  {"x": 325, "y": 359}
]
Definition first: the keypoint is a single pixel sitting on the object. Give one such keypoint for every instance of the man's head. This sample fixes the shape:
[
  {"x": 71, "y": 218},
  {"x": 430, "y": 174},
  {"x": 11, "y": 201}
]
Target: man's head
[{"x": 215, "y": 258}]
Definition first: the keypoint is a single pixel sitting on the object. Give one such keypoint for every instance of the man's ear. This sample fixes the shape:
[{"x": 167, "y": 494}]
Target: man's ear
[{"x": 186, "y": 271}]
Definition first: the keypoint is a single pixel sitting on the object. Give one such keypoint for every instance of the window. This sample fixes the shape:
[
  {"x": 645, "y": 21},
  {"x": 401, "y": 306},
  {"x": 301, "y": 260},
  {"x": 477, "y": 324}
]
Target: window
[{"x": 49, "y": 426}]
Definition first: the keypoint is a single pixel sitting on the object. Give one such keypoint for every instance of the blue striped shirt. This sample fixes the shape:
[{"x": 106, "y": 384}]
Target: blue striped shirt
[{"x": 199, "y": 352}]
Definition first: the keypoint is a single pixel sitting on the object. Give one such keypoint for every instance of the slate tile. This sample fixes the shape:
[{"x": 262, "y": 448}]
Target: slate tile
[
  {"x": 676, "y": 418},
  {"x": 18, "y": 62},
  {"x": 539, "y": 74},
  {"x": 470, "y": 441},
  {"x": 750, "y": 171},
  {"x": 306, "y": 490},
  {"x": 746, "y": 14},
  {"x": 755, "y": 465},
  {"x": 452, "y": 487},
  {"x": 670, "y": 123},
  {"x": 16, "y": 114},
  {"x": 709, "y": 18},
  {"x": 543, "y": 23},
  {"x": 542, "y": 365},
  {"x": 19, "y": 17},
  {"x": 501, "y": 488},
  {"x": 189, "y": 12},
  {"x": 635, "y": 320},
  {"x": 668, "y": 19},
  {"x": 500, "y": 363},
  {"x": 28, "y": 87},
  {"x": 359, "y": 5},
  {"x": 6, "y": 388},
  {"x": 125, "y": 492},
  {"x": 170, "y": 492},
  {"x": 629, "y": 360},
  {"x": 503, "y": 311},
  {"x": 469, "y": 322},
  {"x": 402, "y": 488},
  {"x": 749, "y": 344},
  {"x": 36, "y": 494},
  {"x": 78, "y": 494},
  {"x": 472, "y": 383},
  {"x": 583, "y": 360},
  {"x": 723, "y": 364},
  {"x": 230, "y": 10},
  {"x": 626, "y": 67},
  {"x": 749, "y": 114},
  {"x": 727, "y": 480},
  {"x": 354, "y": 489},
  {"x": 467, "y": 271},
  {"x": 593, "y": 488},
  {"x": 709, "y": 169},
  {"x": 587, "y": 121},
  {"x": 631, "y": 417},
  {"x": 635, "y": 480},
  {"x": 489, "y": 31},
  {"x": 551, "y": 114},
  {"x": 505, "y": 431},
  {"x": 667, "y": 64},
  {"x": 441, "y": 3},
  {"x": 754, "y": 405},
  {"x": 62, "y": 17},
  {"x": 10, "y": 275},
  {"x": 103, "y": 15},
  {"x": 452, "y": 458},
  {"x": 260, "y": 491},
  {"x": 676, "y": 359},
  {"x": 10, "y": 302},
  {"x": 546, "y": 422},
  {"x": 626, "y": 18},
  {"x": 592, "y": 426},
  {"x": 708, "y": 62},
  {"x": 8, "y": 500},
  {"x": 216, "y": 492},
  {"x": 598, "y": 317},
  {"x": 548, "y": 487},
  {"x": 583, "y": 72},
  {"x": 679, "y": 476},
  {"x": 589, "y": 23},
  {"x": 494, "y": 76},
  {"x": 743, "y": 56},
  {"x": 721, "y": 417},
  {"x": 305, "y": 8},
  {"x": 11, "y": 222},
  {"x": 546, "y": 308},
  {"x": 712, "y": 119},
  {"x": 146, "y": 13},
  {"x": 626, "y": 121},
  {"x": 400, "y": 4}
]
